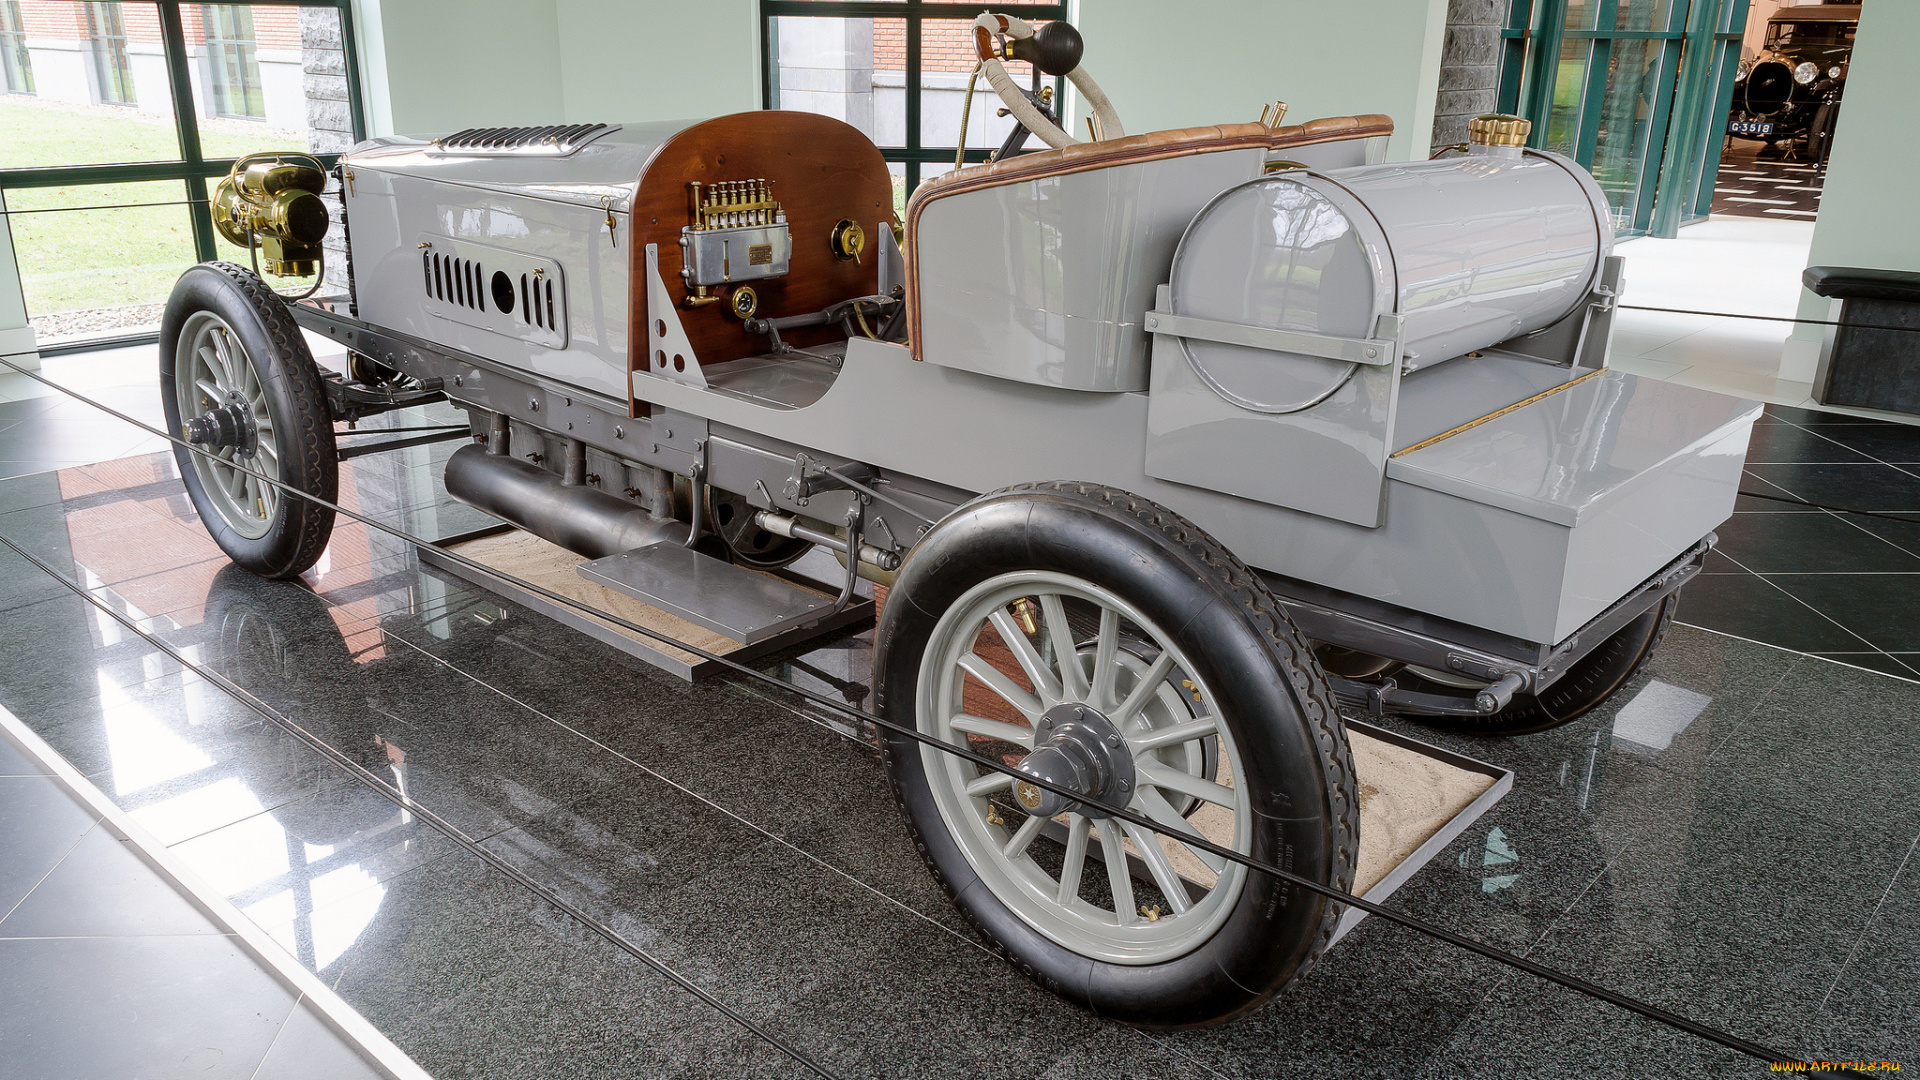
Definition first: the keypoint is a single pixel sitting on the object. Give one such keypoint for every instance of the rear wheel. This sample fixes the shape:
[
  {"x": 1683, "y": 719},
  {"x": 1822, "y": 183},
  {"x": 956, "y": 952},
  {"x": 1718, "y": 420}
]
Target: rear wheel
[
  {"x": 236, "y": 378},
  {"x": 732, "y": 516},
  {"x": 1102, "y": 642},
  {"x": 1596, "y": 677}
]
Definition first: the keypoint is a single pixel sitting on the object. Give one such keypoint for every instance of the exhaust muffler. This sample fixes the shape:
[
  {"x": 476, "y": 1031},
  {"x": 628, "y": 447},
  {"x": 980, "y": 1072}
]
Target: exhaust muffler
[{"x": 584, "y": 520}]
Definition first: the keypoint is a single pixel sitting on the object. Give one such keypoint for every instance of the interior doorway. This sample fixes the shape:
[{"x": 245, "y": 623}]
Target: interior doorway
[{"x": 1786, "y": 104}]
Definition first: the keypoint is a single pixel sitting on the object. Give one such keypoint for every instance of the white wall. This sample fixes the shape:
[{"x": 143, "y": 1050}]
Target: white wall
[
  {"x": 630, "y": 60},
  {"x": 435, "y": 66},
  {"x": 59, "y": 69},
  {"x": 16, "y": 337},
  {"x": 1217, "y": 61},
  {"x": 440, "y": 65}
]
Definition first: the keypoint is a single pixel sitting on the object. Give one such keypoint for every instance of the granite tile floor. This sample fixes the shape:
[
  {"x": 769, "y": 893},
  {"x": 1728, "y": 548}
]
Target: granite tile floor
[
  {"x": 107, "y": 969},
  {"x": 1844, "y": 586},
  {"x": 1733, "y": 839},
  {"x": 1752, "y": 185}
]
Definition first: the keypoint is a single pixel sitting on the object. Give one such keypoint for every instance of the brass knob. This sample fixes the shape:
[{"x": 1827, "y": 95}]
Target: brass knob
[
  {"x": 847, "y": 240},
  {"x": 1498, "y": 129}
]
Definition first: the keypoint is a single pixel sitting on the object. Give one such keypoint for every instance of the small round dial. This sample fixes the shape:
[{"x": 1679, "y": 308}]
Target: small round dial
[{"x": 744, "y": 302}]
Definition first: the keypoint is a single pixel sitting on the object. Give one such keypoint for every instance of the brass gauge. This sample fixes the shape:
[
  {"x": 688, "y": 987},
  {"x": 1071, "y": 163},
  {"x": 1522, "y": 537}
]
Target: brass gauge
[
  {"x": 744, "y": 302},
  {"x": 848, "y": 240}
]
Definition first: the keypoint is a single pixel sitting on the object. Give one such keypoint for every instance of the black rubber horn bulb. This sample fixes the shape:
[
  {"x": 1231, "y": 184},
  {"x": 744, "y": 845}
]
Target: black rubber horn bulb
[{"x": 1054, "y": 48}]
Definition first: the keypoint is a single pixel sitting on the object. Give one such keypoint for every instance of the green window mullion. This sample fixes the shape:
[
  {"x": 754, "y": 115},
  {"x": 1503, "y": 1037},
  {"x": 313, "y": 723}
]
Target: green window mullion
[
  {"x": 173, "y": 37},
  {"x": 1625, "y": 35},
  {"x": 1599, "y": 73},
  {"x": 1536, "y": 97},
  {"x": 912, "y": 90},
  {"x": 911, "y": 12},
  {"x": 1695, "y": 66}
]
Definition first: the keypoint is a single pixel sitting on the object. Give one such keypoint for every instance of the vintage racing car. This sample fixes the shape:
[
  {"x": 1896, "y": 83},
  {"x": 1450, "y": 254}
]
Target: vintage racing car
[{"x": 1167, "y": 447}]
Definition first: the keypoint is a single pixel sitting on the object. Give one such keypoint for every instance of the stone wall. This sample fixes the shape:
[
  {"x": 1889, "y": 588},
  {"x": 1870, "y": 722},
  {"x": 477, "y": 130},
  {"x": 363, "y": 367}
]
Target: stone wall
[
  {"x": 1469, "y": 67},
  {"x": 323, "y": 67}
]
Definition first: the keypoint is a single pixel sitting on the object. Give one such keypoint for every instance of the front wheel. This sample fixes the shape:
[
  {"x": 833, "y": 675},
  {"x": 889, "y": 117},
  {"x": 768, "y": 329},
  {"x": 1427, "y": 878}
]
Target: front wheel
[
  {"x": 236, "y": 378},
  {"x": 1102, "y": 642}
]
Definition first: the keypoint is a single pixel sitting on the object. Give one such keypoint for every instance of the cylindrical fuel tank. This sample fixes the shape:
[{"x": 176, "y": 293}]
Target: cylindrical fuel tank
[{"x": 1470, "y": 250}]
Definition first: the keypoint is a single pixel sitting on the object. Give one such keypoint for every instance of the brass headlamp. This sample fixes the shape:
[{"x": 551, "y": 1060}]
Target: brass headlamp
[{"x": 274, "y": 200}]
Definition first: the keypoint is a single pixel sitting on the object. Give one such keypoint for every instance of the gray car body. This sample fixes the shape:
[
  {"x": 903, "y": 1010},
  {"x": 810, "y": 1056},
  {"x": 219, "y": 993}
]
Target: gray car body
[{"x": 1039, "y": 361}]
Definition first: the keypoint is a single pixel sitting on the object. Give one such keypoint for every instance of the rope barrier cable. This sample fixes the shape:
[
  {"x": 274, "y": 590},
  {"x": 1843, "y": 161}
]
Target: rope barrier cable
[
  {"x": 407, "y": 803},
  {"x": 1767, "y": 318},
  {"x": 1571, "y": 982},
  {"x": 1882, "y": 515},
  {"x": 109, "y": 206}
]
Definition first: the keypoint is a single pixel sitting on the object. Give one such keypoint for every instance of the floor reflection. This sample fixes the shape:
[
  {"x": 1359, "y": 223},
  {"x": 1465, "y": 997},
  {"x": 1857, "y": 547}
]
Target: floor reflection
[{"x": 1710, "y": 840}]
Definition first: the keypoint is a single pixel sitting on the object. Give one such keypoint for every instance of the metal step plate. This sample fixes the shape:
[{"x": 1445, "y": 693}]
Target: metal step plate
[{"x": 727, "y": 599}]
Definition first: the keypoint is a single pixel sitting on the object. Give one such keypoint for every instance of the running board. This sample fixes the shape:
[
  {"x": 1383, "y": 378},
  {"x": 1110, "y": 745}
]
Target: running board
[
  {"x": 507, "y": 550},
  {"x": 742, "y": 605}
]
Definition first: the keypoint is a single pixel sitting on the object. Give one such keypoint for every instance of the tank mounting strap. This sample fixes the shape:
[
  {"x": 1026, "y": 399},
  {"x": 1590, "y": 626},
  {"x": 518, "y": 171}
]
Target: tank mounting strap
[{"x": 1375, "y": 351}]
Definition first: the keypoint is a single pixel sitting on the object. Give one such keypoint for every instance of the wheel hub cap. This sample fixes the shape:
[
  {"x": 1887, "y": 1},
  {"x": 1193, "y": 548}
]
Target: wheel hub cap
[
  {"x": 228, "y": 425},
  {"x": 1077, "y": 748}
]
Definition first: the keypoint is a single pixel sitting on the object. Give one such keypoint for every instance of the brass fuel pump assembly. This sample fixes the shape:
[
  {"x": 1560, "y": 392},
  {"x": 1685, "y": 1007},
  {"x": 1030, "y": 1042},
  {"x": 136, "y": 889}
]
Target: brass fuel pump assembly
[{"x": 271, "y": 203}]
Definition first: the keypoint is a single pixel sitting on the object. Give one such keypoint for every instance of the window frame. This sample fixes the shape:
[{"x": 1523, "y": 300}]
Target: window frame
[
  {"x": 107, "y": 51},
  {"x": 16, "y": 65},
  {"x": 913, "y": 13},
  {"x": 227, "y": 54},
  {"x": 193, "y": 169}
]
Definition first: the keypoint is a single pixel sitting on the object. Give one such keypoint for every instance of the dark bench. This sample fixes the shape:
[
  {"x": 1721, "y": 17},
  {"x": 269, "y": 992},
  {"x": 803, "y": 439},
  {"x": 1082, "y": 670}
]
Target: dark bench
[{"x": 1875, "y": 359}]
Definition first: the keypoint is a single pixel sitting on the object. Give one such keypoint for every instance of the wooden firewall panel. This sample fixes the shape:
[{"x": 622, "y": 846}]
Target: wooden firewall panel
[{"x": 823, "y": 171}]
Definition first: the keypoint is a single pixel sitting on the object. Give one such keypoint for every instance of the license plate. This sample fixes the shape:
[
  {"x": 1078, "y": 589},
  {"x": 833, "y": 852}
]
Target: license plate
[{"x": 1750, "y": 127}]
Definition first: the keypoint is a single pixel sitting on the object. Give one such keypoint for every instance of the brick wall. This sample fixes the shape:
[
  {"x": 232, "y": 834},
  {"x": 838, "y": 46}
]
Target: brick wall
[
  {"x": 1469, "y": 67},
  {"x": 273, "y": 27},
  {"x": 945, "y": 45}
]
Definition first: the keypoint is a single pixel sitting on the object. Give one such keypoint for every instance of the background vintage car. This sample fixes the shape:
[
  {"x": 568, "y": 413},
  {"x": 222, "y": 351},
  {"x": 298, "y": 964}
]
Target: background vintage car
[{"x": 1791, "y": 91}]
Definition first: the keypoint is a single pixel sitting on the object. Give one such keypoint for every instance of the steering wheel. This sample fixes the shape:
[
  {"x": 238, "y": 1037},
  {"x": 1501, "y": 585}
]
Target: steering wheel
[{"x": 1054, "y": 50}]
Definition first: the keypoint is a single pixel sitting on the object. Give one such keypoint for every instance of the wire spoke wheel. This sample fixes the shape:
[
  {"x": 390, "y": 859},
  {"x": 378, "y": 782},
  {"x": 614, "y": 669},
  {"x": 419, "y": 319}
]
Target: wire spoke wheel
[
  {"x": 1001, "y": 658},
  {"x": 214, "y": 371},
  {"x": 239, "y": 384},
  {"x": 1115, "y": 658}
]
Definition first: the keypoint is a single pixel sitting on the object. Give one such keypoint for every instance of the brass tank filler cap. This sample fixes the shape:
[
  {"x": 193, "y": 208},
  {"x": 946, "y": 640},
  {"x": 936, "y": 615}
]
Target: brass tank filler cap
[{"x": 1498, "y": 129}]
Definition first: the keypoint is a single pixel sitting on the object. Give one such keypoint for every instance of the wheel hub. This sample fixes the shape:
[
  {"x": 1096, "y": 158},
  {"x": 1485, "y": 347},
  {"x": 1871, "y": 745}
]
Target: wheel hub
[
  {"x": 227, "y": 425},
  {"x": 1077, "y": 748}
]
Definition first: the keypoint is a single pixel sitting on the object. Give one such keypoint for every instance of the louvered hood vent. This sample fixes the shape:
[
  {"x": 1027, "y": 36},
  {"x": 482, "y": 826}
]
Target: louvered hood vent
[
  {"x": 522, "y": 141},
  {"x": 505, "y": 292}
]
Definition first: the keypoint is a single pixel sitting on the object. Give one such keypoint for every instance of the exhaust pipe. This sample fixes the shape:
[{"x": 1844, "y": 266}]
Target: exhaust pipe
[{"x": 584, "y": 520}]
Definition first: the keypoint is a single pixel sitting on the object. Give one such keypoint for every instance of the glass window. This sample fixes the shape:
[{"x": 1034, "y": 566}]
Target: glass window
[
  {"x": 946, "y": 59},
  {"x": 285, "y": 90},
  {"x": 1620, "y": 142},
  {"x": 233, "y": 71},
  {"x": 15, "y": 61},
  {"x": 63, "y": 122},
  {"x": 100, "y": 243},
  {"x": 112, "y": 66},
  {"x": 864, "y": 70},
  {"x": 1569, "y": 86},
  {"x": 89, "y": 272}
]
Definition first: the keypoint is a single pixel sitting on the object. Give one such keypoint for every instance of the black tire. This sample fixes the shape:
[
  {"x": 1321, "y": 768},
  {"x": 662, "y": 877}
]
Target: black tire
[
  {"x": 1820, "y": 132},
  {"x": 295, "y": 398},
  {"x": 1268, "y": 689},
  {"x": 1597, "y": 676}
]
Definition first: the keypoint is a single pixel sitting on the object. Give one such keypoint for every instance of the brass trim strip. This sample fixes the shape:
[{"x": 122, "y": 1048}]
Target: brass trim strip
[{"x": 1497, "y": 414}]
